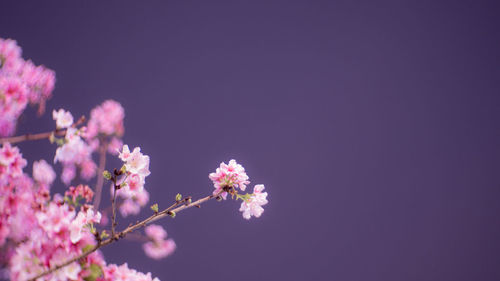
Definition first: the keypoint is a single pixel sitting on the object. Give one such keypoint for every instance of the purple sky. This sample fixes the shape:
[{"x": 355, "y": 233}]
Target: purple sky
[{"x": 375, "y": 127}]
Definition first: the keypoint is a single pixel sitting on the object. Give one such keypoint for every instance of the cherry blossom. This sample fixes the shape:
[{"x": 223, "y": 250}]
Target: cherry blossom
[
  {"x": 106, "y": 119},
  {"x": 158, "y": 247},
  {"x": 63, "y": 118},
  {"x": 20, "y": 82},
  {"x": 253, "y": 206},
  {"x": 229, "y": 175},
  {"x": 43, "y": 172},
  {"x": 113, "y": 272},
  {"x": 75, "y": 152}
]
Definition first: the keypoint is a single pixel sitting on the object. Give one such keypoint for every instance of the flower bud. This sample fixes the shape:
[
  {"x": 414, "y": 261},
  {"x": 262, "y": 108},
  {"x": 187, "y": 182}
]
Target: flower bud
[{"x": 106, "y": 174}]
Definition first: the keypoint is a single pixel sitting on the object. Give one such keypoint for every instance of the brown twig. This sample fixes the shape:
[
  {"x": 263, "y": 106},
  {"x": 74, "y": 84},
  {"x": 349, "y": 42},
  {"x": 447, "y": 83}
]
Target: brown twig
[
  {"x": 100, "y": 178},
  {"x": 40, "y": 136},
  {"x": 170, "y": 211}
]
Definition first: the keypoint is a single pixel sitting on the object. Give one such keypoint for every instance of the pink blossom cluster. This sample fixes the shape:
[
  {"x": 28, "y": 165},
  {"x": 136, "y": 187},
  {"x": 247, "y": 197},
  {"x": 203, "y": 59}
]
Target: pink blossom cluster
[
  {"x": 75, "y": 151},
  {"x": 231, "y": 177},
  {"x": 81, "y": 191},
  {"x": 132, "y": 192},
  {"x": 123, "y": 273},
  {"x": 106, "y": 122},
  {"x": 11, "y": 163},
  {"x": 38, "y": 232},
  {"x": 158, "y": 247},
  {"x": 21, "y": 82},
  {"x": 43, "y": 173}
]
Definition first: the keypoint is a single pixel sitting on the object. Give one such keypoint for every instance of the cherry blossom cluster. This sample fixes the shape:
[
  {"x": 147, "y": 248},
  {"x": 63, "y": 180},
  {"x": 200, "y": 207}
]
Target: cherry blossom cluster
[
  {"x": 21, "y": 82},
  {"x": 106, "y": 124},
  {"x": 38, "y": 232},
  {"x": 132, "y": 192},
  {"x": 158, "y": 247},
  {"x": 73, "y": 151},
  {"x": 228, "y": 178}
]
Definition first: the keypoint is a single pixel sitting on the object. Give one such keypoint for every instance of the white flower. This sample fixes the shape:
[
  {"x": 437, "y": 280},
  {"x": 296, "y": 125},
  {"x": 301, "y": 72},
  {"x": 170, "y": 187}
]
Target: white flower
[
  {"x": 135, "y": 161},
  {"x": 253, "y": 207},
  {"x": 81, "y": 220},
  {"x": 63, "y": 118}
]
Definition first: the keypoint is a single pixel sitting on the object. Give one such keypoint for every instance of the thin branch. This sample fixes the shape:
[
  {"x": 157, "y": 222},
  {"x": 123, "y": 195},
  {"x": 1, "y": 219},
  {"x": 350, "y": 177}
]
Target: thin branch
[
  {"x": 170, "y": 211},
  {"x": 100, "y": 178},
  {"x": 40, "y": 136},
  {"x": 113, "y": 216}
]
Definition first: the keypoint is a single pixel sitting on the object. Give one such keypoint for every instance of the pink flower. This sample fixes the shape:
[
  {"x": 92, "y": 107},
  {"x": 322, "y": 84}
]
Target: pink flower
[
  {"x": 10, "y": 53},
  {"x": 88, "y": 169},
  {"x": 106, "y": 119},
  {"x": 133, "y": 201},
  {"x": 112, "y": 272},
  {"x": 229, "y": 175},
  {"x": 114, "y": 145},
  {"x": 75, "y": 152},
  {"x": 129, "y": 207},
  {"x": 81, "y": 190},
  {"x": 253, "y": 207},
  {"x": 135, "y": 162},
  {"x": 63, "y": 118},
  {"x": 11, "y": 162},
  {"x": 155, "y": 232},
  {"x": 135, "y": 184},
  {"x": 78, "y": 225},
  {"x": 158, "y": 247},
  {"x": 68, "y": 173},
  {"x": 43, "y": 172},
  {"x": 55, "y": 218}
]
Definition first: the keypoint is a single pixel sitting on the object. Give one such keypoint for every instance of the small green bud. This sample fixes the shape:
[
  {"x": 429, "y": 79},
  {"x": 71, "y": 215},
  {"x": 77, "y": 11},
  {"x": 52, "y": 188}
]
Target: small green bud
[
  {"x": 178, "y": 197},
  {"x": 172, "y": 214},
  {"x": 155, "y": 208},
  {"x": 104, "y": 234},
  {"x": 123, "y": 169},
  {"x": 189, "y": 201},
  {"x": 106, "y": 174}
]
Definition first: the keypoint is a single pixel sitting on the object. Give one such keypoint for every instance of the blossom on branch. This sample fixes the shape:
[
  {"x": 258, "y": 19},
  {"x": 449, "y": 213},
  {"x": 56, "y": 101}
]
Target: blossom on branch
[
  {"x": 230, "y": 175},
  {"x": 63, "y": 118},
  {"x": 253, "y": 206},
  {"x": 132, "y": 190}
]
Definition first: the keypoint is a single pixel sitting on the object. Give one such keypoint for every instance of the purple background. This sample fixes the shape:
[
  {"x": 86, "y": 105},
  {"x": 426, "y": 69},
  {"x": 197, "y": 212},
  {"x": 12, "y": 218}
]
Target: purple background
[{"x": 375, "y": 127}]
